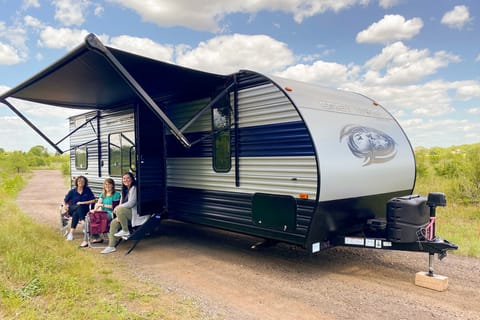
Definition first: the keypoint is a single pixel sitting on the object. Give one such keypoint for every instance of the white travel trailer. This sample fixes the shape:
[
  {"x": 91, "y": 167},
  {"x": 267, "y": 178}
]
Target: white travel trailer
[{"x": 261, "y": 155}]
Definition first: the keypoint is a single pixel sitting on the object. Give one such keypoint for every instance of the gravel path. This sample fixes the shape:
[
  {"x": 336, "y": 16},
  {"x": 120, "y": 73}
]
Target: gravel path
[{"x": 230, "y": 281}]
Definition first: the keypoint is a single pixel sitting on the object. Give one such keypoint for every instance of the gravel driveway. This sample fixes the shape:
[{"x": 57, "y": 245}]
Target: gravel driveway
[{"x": 230, "y": 281}]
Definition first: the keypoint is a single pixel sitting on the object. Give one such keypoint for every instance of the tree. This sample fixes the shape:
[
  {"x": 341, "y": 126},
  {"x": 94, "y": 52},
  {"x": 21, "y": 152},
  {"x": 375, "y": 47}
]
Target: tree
[
  {"x": 16, "y": 162},
  {"x": 39, "y": 151}
]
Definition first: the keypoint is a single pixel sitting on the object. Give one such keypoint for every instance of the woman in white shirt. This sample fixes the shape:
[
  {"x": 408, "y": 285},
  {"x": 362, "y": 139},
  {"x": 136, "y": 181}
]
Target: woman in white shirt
[{"x": 126, "y": 212}]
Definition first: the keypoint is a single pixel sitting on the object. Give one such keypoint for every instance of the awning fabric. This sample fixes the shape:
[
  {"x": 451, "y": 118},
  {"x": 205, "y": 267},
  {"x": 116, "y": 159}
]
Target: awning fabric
[
  {"x": 85, "y": 79},
  {"x": 93, "y": 76}
]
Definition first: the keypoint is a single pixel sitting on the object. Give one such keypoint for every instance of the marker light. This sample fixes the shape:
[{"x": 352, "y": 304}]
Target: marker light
[{"x": 303, "y": 196}]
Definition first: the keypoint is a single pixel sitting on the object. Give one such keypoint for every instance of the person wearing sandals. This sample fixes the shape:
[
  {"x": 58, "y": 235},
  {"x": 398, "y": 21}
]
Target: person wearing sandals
[
  {"x": 77, "y": 202},
  {"x": 106, "y": 201},
  {"x": 125, "y": 212}
]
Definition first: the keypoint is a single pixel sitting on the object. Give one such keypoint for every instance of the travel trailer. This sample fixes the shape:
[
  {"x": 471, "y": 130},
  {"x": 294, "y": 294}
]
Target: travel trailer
[{"x": 261, "y": 155}]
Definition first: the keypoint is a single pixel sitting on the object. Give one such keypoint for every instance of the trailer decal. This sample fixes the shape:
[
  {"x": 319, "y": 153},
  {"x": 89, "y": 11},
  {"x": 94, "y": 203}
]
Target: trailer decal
[{"x": 373, "y": 145}]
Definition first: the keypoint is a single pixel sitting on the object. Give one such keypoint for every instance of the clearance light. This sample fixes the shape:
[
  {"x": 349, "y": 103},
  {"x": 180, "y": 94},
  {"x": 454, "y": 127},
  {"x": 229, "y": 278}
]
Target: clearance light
[
  {"x": 375, "y": 103},
  {"x": 303, "y": 196},
  {"x": 288, "y": 89}
]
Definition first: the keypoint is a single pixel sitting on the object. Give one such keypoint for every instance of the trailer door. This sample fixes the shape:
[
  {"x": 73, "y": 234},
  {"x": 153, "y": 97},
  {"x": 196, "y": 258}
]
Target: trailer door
[{"x": 150, "y": 161}]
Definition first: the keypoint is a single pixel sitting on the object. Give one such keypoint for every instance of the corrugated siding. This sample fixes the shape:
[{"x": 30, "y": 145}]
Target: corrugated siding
[
  {"x": 80, "y": 137},
  {"x": 232, "y": 210},
  {"x": 275, "y": 175},
  {"x": 264, "y": 105},
  {"x": 110, "y": 122}
]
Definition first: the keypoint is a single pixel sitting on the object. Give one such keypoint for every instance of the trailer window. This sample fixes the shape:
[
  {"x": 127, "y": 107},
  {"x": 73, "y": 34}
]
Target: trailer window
[
  {"x": 221, "y": 119},
  {"x": 81, "y": 158},
  {"x": 121, "y": 153}
]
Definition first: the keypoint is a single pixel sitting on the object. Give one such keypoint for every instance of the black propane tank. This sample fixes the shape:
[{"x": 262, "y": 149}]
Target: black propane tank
[{"x": 406, "y": 218}]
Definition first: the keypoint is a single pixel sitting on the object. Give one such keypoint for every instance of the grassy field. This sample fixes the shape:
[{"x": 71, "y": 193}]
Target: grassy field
[
  {"x": 44, "y": 277},
  {"x": 457, "y": 223}
]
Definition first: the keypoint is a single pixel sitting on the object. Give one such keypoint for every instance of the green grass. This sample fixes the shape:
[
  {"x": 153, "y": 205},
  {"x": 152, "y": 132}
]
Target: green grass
[
  {"x": 457, "y": 222},
  {"x": 460, "y": 225},
  {"x": 44, "y": 277}
]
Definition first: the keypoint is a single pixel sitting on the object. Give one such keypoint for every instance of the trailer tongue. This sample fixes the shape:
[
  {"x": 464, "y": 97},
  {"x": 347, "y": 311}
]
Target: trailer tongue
[{"x": 410, "y": 226}]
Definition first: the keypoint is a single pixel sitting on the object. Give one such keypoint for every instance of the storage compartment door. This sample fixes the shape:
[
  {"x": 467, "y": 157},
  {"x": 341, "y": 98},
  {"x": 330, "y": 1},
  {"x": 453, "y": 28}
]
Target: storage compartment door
[{"x": 274, "y": 211}]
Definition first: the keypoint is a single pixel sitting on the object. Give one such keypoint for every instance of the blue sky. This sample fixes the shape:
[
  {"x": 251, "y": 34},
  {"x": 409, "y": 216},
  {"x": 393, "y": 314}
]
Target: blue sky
[{"x": 419, "y": 59}]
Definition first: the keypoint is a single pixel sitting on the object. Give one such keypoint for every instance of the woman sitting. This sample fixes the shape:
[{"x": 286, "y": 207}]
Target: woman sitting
[
  {"x": 77, "y": 202},
  {"x": 126, "y": 212},
  {"x": 107, "y": 200}
]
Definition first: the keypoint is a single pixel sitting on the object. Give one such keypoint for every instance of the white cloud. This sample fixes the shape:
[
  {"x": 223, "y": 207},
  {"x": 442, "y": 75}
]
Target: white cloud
[
  {"x": 3, "y": 89},
  {"x": 144, "y": 47},
  {"x": 9, "y": 55},
  {"x": 30, "y": 4},
  {"x": 320, "y": 72},
  {"x": 390, "y": 28},
  {"x": 457, "y": 18},
  {"x": 16, "y": 37},
  {"x": 395, "y": 66},
  {"x": 387, "y": 4},
  {"x": 398, "y": 64},
  {"x": 429, "y": 99},
  {"x": 208, "y": 15},
  {"x": 62, "y": 38},
  {"x": 70, "y": 12},
  {"x": 21, "y": 136},
  {"x": 52, "y": 121},
  {"x": 227, "y": 54},
  {"x": 474, "y": 111},
  {"x": 445, "y": 132},
  {"x": 32, "y": 22},
  {"x": 308, "y": 8},
  {"x": 467, "y": 89},
  {"x": 98, "y": 11}
]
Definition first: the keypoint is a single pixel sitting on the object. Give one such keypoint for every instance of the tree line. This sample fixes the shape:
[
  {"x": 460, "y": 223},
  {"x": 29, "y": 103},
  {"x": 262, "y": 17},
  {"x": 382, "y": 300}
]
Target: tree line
[
  {"x": 15, "y": 164},
  {"x": 456, "y": 167}
]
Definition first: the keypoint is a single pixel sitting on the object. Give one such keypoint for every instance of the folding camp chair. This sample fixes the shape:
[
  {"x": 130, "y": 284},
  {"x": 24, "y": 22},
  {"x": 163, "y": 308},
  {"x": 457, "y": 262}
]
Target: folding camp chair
[
  {"x": 64, "y": 220},
  {"x": 96, "y": 222}
]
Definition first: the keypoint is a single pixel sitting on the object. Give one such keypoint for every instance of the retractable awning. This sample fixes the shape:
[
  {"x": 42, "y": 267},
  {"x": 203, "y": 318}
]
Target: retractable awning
[{"x": 93, "y": 76}]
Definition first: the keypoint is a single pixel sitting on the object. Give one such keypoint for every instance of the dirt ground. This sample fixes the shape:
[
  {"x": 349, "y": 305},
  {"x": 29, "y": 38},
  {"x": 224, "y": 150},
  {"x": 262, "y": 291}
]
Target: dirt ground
[{"x": 231, "y": 281}]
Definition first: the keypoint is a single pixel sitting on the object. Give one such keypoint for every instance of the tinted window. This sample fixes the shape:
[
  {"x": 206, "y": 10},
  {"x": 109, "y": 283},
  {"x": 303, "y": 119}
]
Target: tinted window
[
  {"x": 81, "y": 158},
  {"x": 122, "y": 155},
  {"x": 221, "y": 141}
]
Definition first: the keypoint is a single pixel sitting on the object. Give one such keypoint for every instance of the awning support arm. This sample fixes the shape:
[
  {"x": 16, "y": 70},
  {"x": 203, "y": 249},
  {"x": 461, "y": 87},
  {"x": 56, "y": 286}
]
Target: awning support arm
[
  {"x": 28, "y": 122},
  {"x": 95, "y": 44},
  {"x": 82, "y": 144},
  {"x": 209, "y": 105},
  {"x": 78, "y": 128}
]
